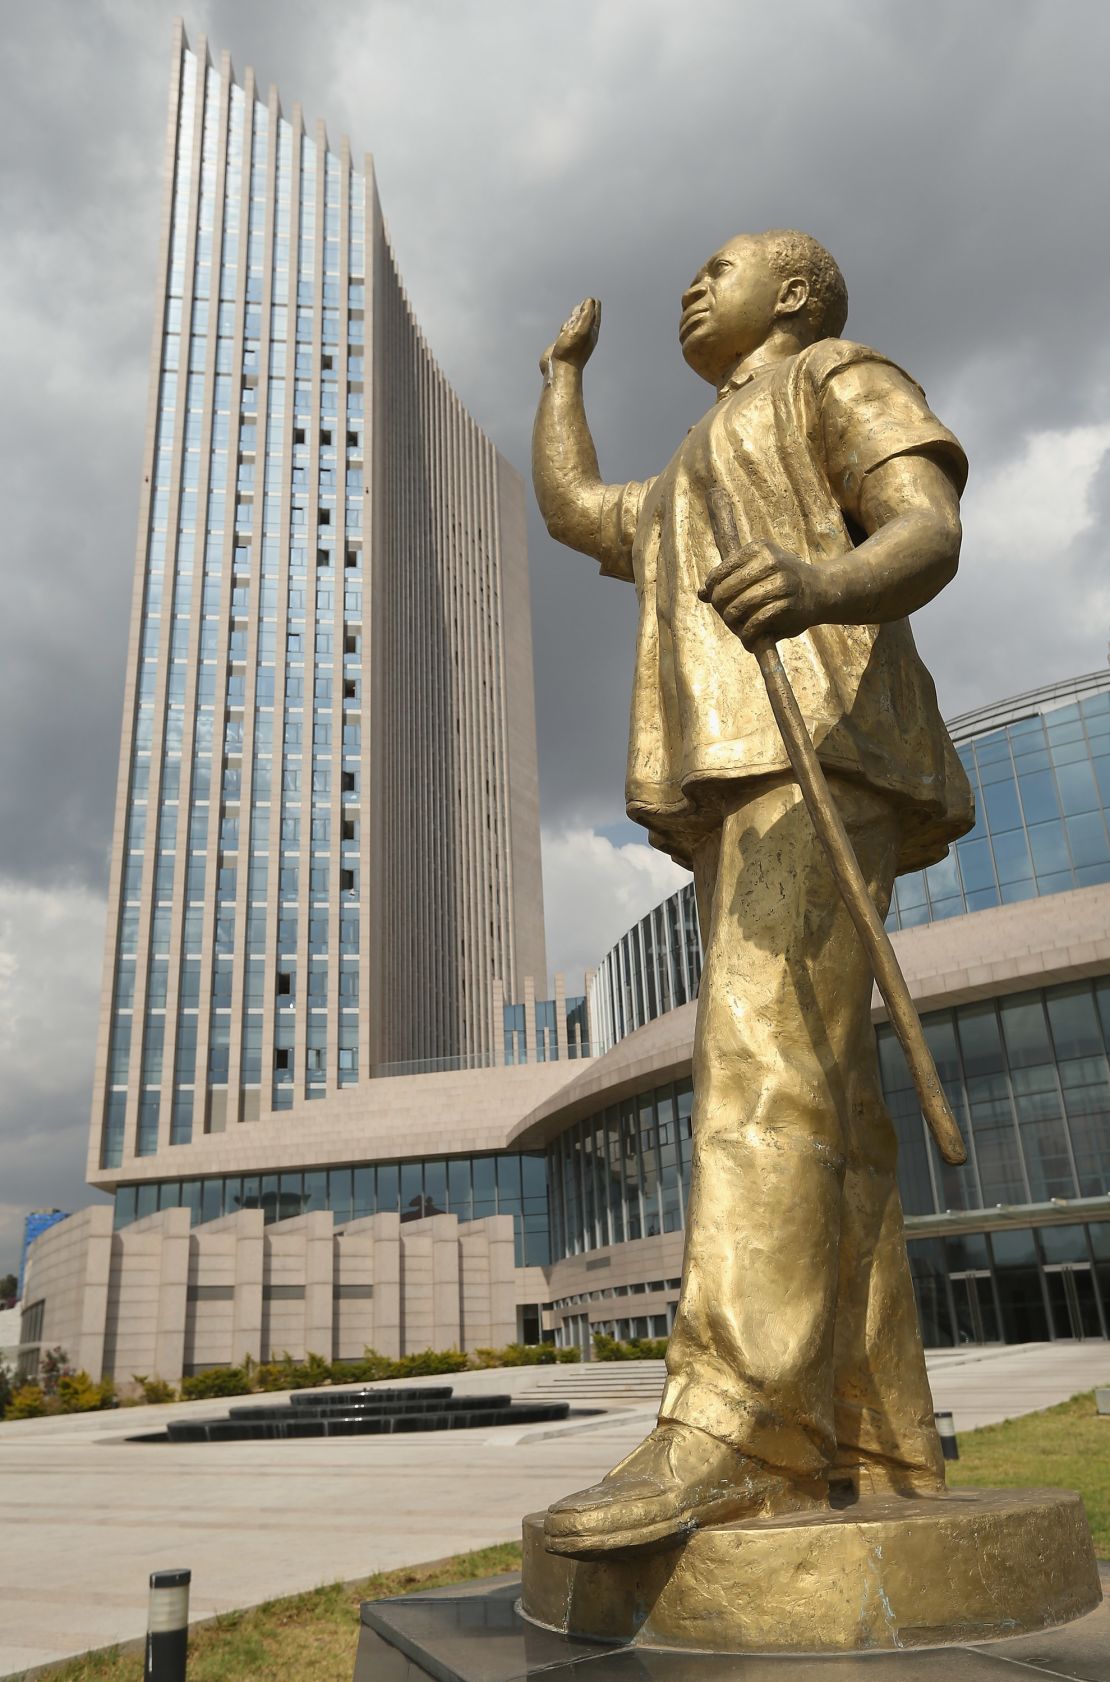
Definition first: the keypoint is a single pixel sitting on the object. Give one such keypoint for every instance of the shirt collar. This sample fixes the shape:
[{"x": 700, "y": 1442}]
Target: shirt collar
[{"x": 744, "y": 372}]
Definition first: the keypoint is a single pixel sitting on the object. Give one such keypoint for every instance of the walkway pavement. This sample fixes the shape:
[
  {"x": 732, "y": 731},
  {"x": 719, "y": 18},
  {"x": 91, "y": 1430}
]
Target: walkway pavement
[{"x": 85, "y": 1516}]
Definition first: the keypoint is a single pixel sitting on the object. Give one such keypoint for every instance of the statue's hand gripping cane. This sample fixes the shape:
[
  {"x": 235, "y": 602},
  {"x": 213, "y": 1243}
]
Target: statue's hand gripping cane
[{"x": 849, "y": 877}]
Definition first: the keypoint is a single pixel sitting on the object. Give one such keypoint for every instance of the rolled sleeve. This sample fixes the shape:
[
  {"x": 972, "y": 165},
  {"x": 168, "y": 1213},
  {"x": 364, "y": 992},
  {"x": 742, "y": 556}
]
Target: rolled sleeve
[
  {"x": 871, "y": 412},
  {"x": 620, "y": 515}
]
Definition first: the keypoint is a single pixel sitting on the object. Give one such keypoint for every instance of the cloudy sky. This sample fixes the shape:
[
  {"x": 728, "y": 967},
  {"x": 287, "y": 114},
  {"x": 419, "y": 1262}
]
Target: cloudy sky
[{"x": 953, "y": 156}]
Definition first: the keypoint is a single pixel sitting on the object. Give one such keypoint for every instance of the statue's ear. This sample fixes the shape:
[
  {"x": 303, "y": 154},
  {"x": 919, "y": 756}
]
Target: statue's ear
[{"x": 793, "y": 295}]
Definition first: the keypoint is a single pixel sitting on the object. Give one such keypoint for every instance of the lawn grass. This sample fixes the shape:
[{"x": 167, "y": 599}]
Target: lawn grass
[
  {"x": 309, "y": 1637},
  {"x": 312, "y": 1637},
  {"x": 1065, "y": 1447}
]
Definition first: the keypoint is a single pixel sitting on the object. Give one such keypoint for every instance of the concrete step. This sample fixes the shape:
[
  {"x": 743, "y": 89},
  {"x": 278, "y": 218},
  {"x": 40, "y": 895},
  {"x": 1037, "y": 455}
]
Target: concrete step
[{"x": 608, "y": 1381}]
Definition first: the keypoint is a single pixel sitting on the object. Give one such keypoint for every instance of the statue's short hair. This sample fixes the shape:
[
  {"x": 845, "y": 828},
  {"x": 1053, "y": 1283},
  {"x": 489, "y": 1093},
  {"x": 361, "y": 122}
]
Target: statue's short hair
[{"x": 793, "y": 253}]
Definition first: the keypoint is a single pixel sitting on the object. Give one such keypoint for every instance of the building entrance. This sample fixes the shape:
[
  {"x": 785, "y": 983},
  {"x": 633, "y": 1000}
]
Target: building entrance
[
  {"x": 1073, "y": 1301},
  {"x": 976, "y": 1309}
]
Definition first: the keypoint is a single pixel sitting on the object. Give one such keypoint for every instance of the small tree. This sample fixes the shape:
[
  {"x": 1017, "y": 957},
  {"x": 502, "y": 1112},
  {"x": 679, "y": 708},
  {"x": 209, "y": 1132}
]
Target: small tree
[
  {"x": 9, "y": 1289},
  {"x": 53, "y": 1367}
]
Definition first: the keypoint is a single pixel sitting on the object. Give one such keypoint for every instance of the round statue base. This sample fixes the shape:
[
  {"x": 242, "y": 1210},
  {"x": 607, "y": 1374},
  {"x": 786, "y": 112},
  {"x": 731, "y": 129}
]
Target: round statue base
[{"x": 881, "y": 1575}]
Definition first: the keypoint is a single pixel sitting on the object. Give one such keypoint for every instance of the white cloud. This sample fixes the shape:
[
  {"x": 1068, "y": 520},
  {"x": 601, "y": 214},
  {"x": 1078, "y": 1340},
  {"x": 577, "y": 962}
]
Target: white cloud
[
  {"x": 1032, "y": 506},
  {"x": 50, "y": 951},
  {"x": 1028, "y": 606},
  {"x": 594, "y": 891}
]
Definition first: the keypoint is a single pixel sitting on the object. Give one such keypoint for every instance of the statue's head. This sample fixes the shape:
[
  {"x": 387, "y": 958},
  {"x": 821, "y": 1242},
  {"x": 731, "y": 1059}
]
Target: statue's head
[{"x": 754, "y": 284}]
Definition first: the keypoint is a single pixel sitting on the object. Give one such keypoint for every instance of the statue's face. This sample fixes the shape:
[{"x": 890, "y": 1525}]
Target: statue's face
[{"x": 729, "y": 308}]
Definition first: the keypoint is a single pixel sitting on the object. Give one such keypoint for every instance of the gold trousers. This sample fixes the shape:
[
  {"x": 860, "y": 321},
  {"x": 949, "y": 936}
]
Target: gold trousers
[{"x": 796, "y": 1335}]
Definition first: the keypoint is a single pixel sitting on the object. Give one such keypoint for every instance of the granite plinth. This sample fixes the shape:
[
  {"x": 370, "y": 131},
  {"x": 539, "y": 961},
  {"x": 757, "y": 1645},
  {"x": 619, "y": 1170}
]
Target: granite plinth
[
  {"x": 478, "y": 1635},
  {"x": 881, "y": 1574}
]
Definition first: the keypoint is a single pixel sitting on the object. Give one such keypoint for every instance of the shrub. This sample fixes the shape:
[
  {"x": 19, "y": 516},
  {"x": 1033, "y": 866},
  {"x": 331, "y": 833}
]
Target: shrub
[
  {"x": 217, "y": 1381},
  {"x": 271, "y": 1375},
  {"x": 608, "y": 1348},
  {"x": 29, "y": 1402},
  {"x": 313, "y": 1370},
  {"x": 569, "y": 1355},
  {"x": 6, "y": 1387},
  {"x": 368, "y": 1370},
  {"x": 53, "y": 1367},
  {"x": 77, "y": 1393},
  {"x": 288, "y": 1374},
  {"x": 154, "y": 1389},
  {"x": 516, "y": 1355},
  {"x": 524, "y": 1355},
  {"x": 430, "y": 1362}
]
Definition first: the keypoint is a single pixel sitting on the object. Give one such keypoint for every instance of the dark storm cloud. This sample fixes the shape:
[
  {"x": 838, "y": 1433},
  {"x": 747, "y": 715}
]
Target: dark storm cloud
[{"x": 952, "y": 156}]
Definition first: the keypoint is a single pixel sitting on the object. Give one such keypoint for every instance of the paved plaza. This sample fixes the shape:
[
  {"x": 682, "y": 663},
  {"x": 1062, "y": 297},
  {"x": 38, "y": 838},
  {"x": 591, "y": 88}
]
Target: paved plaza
[{"x": 87, "y": 1515}]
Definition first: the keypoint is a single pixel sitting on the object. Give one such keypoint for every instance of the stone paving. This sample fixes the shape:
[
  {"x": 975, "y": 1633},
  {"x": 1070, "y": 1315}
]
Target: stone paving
[{"x": 85, "y": 1516}]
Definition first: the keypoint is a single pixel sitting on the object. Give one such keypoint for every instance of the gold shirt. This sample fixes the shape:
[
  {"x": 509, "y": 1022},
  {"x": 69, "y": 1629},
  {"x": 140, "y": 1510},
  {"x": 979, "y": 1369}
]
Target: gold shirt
[{"x": 792, "y": 442}]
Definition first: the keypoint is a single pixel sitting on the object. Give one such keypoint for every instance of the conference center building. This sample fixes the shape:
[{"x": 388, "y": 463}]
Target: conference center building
[
  {"x": 543, "y": 1194},
  {"x": 336, "y": 1105}
]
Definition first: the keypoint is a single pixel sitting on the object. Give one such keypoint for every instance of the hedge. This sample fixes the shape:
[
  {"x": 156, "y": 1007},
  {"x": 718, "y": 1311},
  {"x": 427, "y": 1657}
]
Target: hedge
[
  {"x": 628, "y": 1349},
  {"x": 76, "y": 1392}
]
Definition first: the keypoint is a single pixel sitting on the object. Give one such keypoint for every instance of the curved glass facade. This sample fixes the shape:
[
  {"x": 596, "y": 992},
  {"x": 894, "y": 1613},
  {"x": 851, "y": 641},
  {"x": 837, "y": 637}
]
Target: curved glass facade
[
  {"x": 1028, "y": 1077},
  {"x": 1042, "y": 789},
  {"x": 653, "y": 968},
  {"x": 1040, "y": 769},
  {"x": 623, "y": 1173}
]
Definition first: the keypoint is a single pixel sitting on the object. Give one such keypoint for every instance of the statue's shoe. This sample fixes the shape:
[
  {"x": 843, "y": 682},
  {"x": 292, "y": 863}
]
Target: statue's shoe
[{"x": 678, "y": 1479}]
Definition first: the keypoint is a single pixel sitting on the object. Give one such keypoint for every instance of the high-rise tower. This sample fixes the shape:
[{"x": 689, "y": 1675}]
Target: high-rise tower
[{"x": 326, "y": 839}]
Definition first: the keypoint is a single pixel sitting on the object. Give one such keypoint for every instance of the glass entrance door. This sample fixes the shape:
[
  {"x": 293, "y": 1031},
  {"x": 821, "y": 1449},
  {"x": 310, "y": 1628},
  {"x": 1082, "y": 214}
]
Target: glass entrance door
[
  {"x": 1073, "y": 1301},
  {"x": 976, "y": 1314}
]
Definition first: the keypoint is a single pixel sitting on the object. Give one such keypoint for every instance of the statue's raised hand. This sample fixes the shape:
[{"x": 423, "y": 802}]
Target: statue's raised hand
[{"x": 577, "y": 337}]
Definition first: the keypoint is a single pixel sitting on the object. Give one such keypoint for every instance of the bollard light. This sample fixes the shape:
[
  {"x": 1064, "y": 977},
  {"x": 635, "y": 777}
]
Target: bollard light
[
  {"x": 167, "y": 1640},
  {"x": 946, "y": 1431}
]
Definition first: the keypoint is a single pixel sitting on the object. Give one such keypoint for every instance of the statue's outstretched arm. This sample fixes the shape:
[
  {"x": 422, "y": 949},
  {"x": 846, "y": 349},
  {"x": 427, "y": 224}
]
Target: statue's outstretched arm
[{"x": 569, "y": 489}]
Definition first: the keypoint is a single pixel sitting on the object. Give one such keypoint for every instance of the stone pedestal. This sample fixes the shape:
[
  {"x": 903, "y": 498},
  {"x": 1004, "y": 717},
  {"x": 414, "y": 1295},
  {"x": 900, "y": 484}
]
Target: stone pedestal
[
  {"x": 475, "y": 1633},
  {"x": 884, "y": 1574}
]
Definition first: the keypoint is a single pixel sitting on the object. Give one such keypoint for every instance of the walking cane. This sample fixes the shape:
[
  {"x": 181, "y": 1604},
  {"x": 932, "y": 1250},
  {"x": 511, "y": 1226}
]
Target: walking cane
[{"x": 845, "y": 866}]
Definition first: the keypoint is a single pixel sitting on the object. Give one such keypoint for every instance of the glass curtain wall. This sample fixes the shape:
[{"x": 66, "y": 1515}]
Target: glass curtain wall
[
  {"x": 1028, "y": 1077},
  {"x": 1027, "y": 1285},
  {"x": 1042, "y": 792},
  {"x": 236, "y": 979},
  {"x": 470, "y": 1187},
  {"x": 1042, "y": 787},
  {"x": 653, "y": 968}
]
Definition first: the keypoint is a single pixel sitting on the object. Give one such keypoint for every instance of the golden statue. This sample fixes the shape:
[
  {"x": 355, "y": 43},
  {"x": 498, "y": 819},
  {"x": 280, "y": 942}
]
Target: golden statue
[{"x": 816, "y": 504}]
